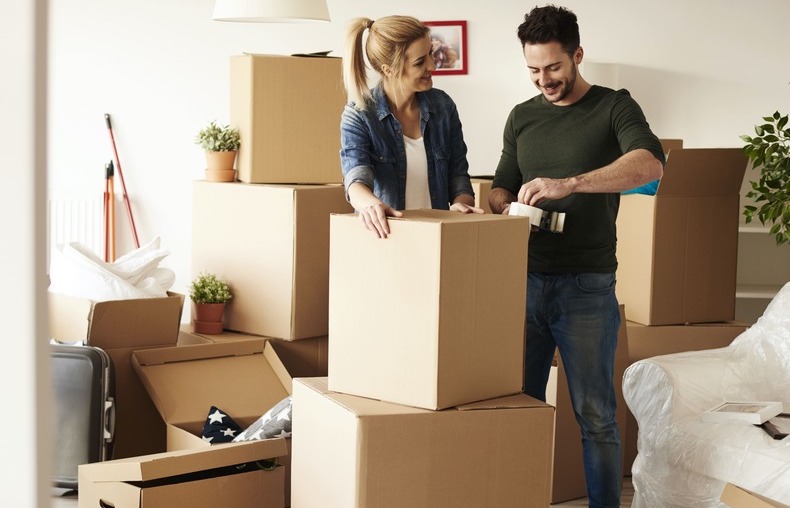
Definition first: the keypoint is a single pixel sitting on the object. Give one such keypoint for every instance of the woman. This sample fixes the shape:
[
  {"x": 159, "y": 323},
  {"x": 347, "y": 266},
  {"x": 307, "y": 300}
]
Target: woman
[{"x": 402, "y": 143}]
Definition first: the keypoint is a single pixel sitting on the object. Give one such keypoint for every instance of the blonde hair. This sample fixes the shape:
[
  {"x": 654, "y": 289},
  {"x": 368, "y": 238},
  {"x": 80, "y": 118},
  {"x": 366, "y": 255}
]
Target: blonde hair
[{"x": 388, "y": 38}]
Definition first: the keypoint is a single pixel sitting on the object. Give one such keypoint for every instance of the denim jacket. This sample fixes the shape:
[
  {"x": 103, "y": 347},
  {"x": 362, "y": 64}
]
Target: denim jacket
[{"x": 373, "y": 152}]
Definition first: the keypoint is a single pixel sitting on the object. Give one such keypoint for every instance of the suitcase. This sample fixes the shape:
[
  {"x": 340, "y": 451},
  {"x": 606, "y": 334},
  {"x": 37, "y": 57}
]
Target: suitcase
[{"x": 84, "y": 409}]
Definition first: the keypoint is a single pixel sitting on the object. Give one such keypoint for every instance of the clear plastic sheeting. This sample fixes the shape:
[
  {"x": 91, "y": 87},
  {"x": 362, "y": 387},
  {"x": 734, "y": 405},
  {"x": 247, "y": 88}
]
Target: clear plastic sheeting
[{"x": 684, "y": 462}]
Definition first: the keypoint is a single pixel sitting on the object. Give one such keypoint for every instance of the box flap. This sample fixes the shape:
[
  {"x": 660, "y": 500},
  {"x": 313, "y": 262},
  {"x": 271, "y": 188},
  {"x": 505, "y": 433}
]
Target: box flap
[
  {"x": 185, "y": 381},
  {"x": 671, "y": 144},
  {"x": 738, "y": 497},
  {"x": 703, "y": 172},
  {"x": 116, "y": 323},
  {"x": 167, "y": 464},
  {"x": 519, "y": 400}
]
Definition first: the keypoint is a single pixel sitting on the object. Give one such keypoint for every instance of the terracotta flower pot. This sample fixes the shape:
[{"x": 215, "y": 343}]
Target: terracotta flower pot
[
  {"x": 219, "y": 166},
  {"x": 207, "y": 317}
]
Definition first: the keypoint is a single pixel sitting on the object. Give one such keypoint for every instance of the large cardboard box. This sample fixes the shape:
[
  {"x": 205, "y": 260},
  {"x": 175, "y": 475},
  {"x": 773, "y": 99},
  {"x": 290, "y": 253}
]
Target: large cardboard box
[
  {"x": 648, "y": 341},
  {"x": 482, "y": 187},
  {"x": 360, "y": 452},
  {"x": 433, "y": 315},
  {"x": 271, "y": 243},
  {"x": 568, "y": 480},
  {"x": 287, "y": 110},
  {"x": 119, "y": 327},
  {"x": 738, "y": 497},
  {"x": 202, "y": 478},
  {"x": 677, "y": 250},
  {"x": 242, "y": 378}
]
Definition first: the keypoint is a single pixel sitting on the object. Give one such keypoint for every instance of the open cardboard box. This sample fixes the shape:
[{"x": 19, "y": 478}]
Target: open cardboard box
[
  {"x": 357, "y": 452},
  {"x": 449, "y": 329},
  {"x": 224, "y": 475},
  {"x": 119, "y": 327},
  {"x": 244, "y": 379},
  {"x": 677, "y": 251}
]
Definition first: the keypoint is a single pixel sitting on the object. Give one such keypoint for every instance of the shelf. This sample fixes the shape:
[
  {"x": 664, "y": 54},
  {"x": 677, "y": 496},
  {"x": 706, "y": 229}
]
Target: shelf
[
  {"x": 753, "y": 229},
  {"x": 758, "y": 291}
]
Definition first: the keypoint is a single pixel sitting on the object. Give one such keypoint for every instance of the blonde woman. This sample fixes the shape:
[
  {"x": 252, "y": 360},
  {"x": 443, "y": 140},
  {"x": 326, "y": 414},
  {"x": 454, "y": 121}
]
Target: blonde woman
[{"x": 402, "y": 142}]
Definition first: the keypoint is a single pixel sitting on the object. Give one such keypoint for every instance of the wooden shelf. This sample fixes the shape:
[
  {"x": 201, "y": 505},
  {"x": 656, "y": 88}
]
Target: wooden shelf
[{"x": 757, "y": 291}]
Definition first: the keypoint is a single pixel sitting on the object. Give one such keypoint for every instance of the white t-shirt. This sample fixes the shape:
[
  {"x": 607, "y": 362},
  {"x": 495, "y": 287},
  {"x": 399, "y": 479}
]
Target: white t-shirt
[{"x": 417, "y": 193}]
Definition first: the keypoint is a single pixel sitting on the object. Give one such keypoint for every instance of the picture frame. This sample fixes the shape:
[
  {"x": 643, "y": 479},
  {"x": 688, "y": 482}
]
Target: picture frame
[
  {"x": 754, "y": 412},
  {"x": 449, "y": 46}
]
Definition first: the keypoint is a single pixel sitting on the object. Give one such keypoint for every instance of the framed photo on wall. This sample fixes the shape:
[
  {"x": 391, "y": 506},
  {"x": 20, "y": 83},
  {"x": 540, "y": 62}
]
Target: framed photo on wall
[{"x": 448, "y": 40}]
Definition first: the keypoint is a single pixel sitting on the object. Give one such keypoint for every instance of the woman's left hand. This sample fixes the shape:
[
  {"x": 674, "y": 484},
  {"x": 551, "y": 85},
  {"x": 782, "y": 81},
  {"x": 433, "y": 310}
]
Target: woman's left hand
[{"x": 464, "y": 208}]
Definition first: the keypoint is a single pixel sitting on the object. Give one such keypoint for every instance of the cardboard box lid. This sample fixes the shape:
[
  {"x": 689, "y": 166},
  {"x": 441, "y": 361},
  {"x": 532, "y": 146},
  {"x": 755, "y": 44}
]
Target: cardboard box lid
[
  {"x": 703, "y": 172},
  {"x": 244, "y": 379},
  {"x": 116, "y": 323},
  {"x": 363, "y": 407},
  {"x": 167, "y": 464},
  {"x": 738, "y": 497}
]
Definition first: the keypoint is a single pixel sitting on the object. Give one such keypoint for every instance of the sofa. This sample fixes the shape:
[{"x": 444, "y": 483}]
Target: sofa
[{"x": 683, "y": 461}]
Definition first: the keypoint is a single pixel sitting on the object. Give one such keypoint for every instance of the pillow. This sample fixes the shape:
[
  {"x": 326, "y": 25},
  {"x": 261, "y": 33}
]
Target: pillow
[
  {"x": 219, "y": 427},
  {"x": 275, "y": 423}
]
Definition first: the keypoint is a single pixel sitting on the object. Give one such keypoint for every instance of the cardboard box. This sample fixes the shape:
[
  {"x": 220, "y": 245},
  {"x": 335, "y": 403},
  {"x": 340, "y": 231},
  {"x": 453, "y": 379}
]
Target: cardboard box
[
  {"x": 482, "y": 187},
  {"x": 119, "y": 327},
  {"x": 671, "y": 144},
  {"x": 271, "y": 243},
  {"x": 677, "y": 250},
  {"x": 568, "y": 479},
  {"x": 242, "y": 378},
  {"x": 432, "y": 316},
  {"x": 301, "y": 358},
  {"x": 360, "y": 452},
  {"x": 205, "y": 478},
  {"x": 649, "y": 341},
  {"x": 287, "y": 110},
  {"x": 737, "y": 497}
]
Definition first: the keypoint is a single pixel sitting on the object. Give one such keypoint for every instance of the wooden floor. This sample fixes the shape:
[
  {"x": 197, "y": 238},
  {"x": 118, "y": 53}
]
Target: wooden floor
[{"x": 69, "y": 499}]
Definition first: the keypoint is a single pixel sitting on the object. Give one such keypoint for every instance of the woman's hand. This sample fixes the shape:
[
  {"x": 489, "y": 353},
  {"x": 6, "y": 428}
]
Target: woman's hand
[
  {"x": 374, "y": 218},
  {"x": 464, "y": 208}
]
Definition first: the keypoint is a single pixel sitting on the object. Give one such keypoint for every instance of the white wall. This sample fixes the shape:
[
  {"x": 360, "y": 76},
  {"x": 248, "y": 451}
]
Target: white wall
[{"x": 700, "y": 70}]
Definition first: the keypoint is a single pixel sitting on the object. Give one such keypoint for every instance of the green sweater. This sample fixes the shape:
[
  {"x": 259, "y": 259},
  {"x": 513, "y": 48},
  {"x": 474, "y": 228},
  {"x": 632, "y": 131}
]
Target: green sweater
[{"x": 545, "y": 140}]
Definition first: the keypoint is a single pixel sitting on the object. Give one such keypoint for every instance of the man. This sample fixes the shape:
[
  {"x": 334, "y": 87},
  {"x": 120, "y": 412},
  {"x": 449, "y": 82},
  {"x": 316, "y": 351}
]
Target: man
[{"x": 573, "y": 148}]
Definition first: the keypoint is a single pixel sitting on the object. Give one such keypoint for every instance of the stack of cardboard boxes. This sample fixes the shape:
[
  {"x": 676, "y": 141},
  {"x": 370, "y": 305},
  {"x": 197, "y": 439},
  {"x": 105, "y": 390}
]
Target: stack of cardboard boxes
[
  {"x": 422, "y": 404},
  {"x": 677, "y": 254}
]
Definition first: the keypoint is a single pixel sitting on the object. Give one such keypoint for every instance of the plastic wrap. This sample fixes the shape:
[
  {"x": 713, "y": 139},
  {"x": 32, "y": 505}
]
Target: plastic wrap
[{"x": 685, "y": 462}]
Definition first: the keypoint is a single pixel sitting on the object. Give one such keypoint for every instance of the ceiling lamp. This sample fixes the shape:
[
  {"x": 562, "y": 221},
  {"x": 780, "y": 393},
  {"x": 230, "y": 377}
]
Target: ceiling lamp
[{"x": 271, "y": 11}]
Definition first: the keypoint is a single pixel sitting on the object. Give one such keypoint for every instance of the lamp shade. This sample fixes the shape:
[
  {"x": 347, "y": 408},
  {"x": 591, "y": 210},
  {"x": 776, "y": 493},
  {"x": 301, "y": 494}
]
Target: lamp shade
[{"x": 271, "y": 11}]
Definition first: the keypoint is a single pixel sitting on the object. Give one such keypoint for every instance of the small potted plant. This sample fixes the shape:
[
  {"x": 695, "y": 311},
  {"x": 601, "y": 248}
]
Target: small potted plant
[
  {"x": 209, "y": 294},
  {"x": 769, "y": 151},
  {"x": 221, "y": 142}
]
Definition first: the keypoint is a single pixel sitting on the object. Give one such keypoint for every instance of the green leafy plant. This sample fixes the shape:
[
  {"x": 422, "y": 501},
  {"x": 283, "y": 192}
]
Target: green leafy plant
[
  {"x": 769, "y": 151},
  {"x": 208, "y": 288},
  {"x": 218, "y": 138}
]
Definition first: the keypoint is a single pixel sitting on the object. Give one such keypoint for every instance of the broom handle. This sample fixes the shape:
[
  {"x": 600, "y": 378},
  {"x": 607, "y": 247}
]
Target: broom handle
[{"x": 123, "y": 183}]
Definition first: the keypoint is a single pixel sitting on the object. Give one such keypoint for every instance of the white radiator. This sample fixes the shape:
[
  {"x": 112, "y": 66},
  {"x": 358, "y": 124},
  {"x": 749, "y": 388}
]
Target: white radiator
[{"x": 76, "y": 220}]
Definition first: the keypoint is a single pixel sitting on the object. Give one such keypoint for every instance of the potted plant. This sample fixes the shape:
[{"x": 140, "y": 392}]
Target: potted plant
[
  {"x": 769, "y": 151},
  {"x": 209, "y": 294},
  {"x": 221, "y": 142}
]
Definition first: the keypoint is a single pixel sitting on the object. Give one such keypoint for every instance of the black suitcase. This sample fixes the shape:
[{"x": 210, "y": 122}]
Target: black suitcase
[{"x": 84, "y": 409}]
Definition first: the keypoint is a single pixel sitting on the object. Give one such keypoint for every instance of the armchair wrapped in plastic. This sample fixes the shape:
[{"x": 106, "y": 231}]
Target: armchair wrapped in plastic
[{"x": 685, "y": 462}]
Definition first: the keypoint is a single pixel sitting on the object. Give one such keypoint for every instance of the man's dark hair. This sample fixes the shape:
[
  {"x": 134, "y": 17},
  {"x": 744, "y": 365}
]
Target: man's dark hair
[{"x": 548, "y": 24}]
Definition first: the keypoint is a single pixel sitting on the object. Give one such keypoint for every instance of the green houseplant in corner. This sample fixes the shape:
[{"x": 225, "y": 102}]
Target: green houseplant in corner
[
  {"x": 209, "y": 294},
  {"x": 221, "y": 142},
  {"x": 769, "y": 151}
]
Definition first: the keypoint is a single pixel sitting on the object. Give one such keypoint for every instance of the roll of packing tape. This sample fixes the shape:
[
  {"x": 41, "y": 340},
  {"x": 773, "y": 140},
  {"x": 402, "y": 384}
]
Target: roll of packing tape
[{"x": 522, "y": 210}]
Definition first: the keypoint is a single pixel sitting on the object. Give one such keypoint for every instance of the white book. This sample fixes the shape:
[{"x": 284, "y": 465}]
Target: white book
[{"x": 755, "y": 412}]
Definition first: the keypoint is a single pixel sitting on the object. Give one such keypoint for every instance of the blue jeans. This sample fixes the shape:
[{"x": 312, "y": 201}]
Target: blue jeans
[{"x": 578, "y": 313}]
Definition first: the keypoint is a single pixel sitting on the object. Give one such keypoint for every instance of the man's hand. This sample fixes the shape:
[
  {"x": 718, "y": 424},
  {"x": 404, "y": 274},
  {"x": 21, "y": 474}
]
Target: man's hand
[
  {"x": 541, "y": 189},
  {"x": 374, "y": 218}
]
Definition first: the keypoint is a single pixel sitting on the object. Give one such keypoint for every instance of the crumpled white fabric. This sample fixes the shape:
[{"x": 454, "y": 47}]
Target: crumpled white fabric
[{"x": 75, "y": 270}]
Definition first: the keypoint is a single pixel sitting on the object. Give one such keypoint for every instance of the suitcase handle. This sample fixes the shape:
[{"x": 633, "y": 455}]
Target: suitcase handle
[{"x": 109, "y": 419}]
